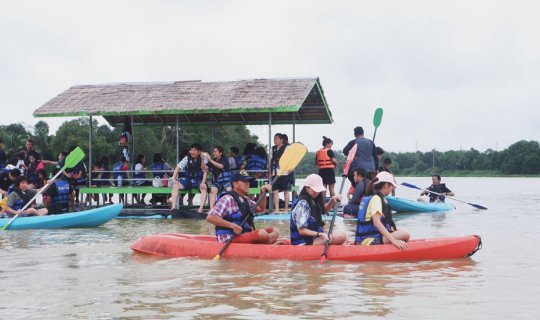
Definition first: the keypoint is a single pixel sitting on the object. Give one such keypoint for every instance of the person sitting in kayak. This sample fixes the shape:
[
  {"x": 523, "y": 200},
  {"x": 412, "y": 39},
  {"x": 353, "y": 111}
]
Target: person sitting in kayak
[
  {"x": 306, "y": 216},
  {"x": 350, "y": 210},
  {"x": 7, "y": 180},
  {"x": 375, "y": 224},
  {"x": 58, "y": 195},
  {"x": 19, "y": 198},
  {"x": 437, "y": 187},
  {"x": 196, "y": 171},
  {"x": 232, "y": 209}
]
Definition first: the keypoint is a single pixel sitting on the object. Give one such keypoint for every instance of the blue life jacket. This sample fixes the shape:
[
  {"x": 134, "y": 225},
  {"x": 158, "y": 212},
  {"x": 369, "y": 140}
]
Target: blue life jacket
[
  {"x": 313, "y": 225},
  {"x": 255, "y": 162},
  {"x": 238, "y": 217},
  {"x": 22, "y": 201},
  {"x": 224, "y": 177},
  {"x": 11, "y": 188},
  {"x": 220, "y": 176},
  {"x": 32, "y": 175},
  {"x": 193, "y": 169},
  {"x": 60, "y": 202},
  {"x": 139, "y": 176},
  {"x": 238, "y": 160},
  {"x": 117, "y": 171},
  {"x": 366, "y": 229},
  {"x": 158, "y": 166}
]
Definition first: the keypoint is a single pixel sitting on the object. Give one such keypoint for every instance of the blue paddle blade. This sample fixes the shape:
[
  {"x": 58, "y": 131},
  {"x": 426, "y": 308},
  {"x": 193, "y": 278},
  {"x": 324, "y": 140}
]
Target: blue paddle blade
[
  {"x": 477, "y": 206},
  {"x": 410, "y": 185}
]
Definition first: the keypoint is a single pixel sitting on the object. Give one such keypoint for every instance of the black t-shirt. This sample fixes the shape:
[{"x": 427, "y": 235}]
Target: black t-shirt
[
  {"x": 215, "y": 170},
  {"x": 5, "y": 181}
]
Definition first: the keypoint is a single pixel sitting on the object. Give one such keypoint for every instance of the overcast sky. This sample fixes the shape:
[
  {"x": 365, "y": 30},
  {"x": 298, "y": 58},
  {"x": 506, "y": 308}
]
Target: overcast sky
[{"x": 449, "y": 75}]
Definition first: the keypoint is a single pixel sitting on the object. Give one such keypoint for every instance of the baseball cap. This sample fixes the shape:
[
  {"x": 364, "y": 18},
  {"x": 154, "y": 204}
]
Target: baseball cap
[
  {"x": 314, "y": 181},
  {"x": 241, "y": 175}
]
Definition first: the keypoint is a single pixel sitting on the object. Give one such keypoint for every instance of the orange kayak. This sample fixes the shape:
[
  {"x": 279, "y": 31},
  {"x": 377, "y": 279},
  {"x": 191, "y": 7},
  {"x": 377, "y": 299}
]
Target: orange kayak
[{"x": 205, "y": 246}]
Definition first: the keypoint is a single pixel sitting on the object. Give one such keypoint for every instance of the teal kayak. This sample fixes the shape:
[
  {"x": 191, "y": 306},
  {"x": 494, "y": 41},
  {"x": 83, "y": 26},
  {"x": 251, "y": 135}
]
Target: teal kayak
[
  {"x": 82, "y": 219},
  {"x": 406, "y": 205}
]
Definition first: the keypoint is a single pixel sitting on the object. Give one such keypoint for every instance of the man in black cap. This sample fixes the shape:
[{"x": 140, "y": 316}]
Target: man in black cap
[
  {"x": 366, "y": 155},
  {"x": 232, "y": 209}
]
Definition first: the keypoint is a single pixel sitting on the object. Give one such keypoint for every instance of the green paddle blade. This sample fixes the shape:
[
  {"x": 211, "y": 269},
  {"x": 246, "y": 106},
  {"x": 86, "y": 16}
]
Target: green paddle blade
[
  {"x": 73, "y": 158},
  {"x": 377, "y": 117},
  {"x": 291, "y": 157}
]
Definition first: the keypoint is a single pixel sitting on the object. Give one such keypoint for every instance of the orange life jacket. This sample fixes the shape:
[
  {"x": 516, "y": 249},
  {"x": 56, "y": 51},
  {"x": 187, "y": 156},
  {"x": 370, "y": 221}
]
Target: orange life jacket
[{"x": 323, "y": 160}]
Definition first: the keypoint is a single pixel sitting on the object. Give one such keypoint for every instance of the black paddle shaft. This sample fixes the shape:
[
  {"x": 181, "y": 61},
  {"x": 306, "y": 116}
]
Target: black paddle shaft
[{"x": 331, "y": 228}]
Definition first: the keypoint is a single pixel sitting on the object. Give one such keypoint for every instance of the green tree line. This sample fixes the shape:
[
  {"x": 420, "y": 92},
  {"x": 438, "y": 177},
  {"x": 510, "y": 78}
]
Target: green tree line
[
  {"x": 146, "y": 139},
  {"x": 521, "y": 158}
]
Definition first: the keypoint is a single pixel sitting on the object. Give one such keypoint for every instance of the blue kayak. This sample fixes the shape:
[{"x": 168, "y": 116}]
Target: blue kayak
[
  {"x": 406, "y": 205},
  {"x": 82, "y": 219}
]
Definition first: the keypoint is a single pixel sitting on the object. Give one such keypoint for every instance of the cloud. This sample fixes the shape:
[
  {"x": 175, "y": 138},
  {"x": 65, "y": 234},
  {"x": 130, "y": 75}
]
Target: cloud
[{"x": 448, "y": 75}]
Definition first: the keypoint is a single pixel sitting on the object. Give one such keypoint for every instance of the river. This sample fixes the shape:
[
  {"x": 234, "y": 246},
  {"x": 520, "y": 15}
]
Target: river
[{"x": 92, "y": 273}]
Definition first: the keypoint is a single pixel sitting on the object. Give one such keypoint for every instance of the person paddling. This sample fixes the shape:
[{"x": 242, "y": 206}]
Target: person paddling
[
  {"x": 306, "y": 216},
  {"x": 438, "y": 187},
  {"x": 231, "y": 210},
  {"x": 58, "y": 194},
  {"x": 20, "y": 197},
  {"x": 375, "y": 224}
]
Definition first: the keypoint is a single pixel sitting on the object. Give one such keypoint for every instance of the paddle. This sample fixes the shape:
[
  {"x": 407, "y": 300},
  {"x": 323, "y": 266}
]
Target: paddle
[
  {"x": 289, "y": 160},
  {"x": 327, "y": 243},
  {"x": 71, "y": 161},
  {"x": 472, "y": 204},
  {"x": 377, "y": 118}
]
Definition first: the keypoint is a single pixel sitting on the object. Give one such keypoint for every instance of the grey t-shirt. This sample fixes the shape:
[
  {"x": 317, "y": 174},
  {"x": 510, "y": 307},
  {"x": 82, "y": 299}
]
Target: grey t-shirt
[{"x": 14, "y": 196}]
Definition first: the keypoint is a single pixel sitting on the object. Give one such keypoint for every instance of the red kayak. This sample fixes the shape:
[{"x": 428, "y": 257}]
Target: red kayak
[{"x": 205, "y": 246}]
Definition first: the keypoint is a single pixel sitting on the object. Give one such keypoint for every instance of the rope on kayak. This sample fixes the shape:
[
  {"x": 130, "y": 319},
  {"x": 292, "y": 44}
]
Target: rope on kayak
[{"x": 478, "y": 247}]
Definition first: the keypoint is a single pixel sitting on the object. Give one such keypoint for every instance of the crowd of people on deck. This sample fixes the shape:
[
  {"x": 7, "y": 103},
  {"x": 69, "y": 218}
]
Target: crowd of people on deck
[{"x": 230, "y": 191}]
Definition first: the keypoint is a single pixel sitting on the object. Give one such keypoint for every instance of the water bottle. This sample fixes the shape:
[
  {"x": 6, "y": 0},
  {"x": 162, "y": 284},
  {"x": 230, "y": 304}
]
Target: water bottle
[
  {"x": 119, "y": 181},
  {"x": 166, "y": 181}
]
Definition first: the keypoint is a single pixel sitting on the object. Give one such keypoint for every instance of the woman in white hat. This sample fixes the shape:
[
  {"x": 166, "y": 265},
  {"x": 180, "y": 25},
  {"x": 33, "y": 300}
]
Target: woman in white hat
[
  {"x": 375, "y": 225},
  {"x": 306, "y": 215}
]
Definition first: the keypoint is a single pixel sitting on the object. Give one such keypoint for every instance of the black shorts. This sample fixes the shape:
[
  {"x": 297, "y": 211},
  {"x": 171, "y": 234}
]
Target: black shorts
[
  {"x": 328, "y": 176},
  {"x": 281, "y": 184}
]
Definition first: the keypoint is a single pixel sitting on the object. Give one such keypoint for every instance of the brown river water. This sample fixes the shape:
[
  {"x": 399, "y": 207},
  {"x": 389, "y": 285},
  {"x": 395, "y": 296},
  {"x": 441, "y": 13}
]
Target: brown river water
[{"x": 92, "y": 273}]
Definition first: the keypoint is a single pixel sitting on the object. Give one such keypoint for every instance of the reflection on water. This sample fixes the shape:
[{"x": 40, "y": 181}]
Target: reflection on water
[
  {"x": 91, "y": 273},
  {"x": 279, "y": 289}
]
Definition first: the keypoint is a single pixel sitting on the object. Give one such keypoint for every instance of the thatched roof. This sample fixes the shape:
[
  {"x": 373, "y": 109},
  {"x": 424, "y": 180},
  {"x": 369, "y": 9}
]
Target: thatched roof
[{"x": 196, "y": 102}]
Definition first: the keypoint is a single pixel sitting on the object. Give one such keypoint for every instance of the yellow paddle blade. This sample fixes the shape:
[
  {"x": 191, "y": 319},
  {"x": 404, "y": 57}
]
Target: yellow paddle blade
[{"x": 291, "y": 158}]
